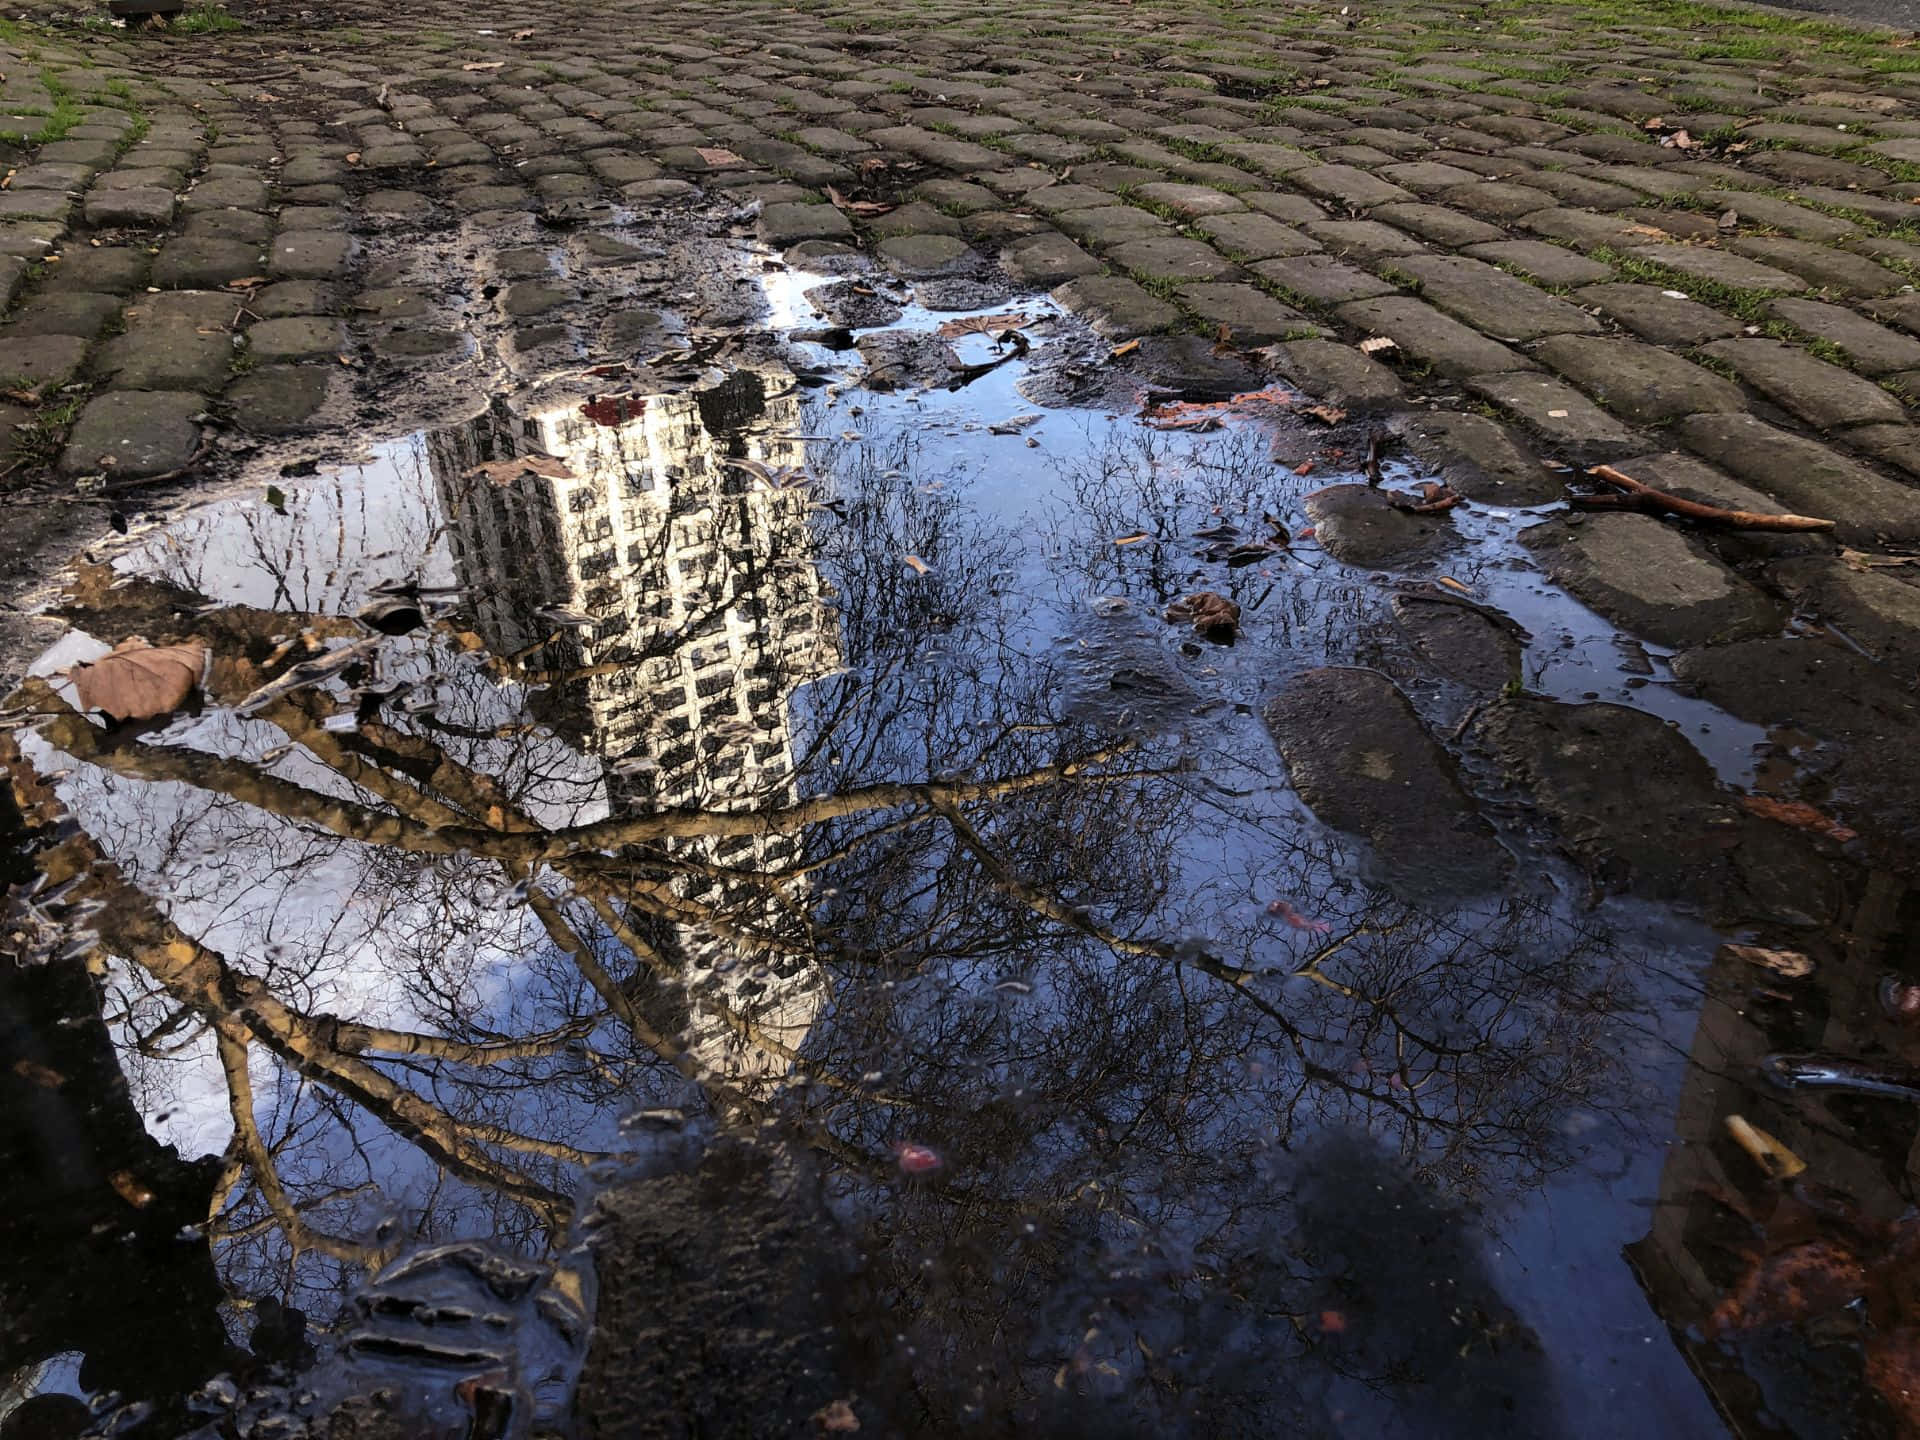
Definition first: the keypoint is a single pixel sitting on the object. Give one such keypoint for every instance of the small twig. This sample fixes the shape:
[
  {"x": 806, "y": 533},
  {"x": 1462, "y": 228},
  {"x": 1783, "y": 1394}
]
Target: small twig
[{"x": 1374, "y": 444}]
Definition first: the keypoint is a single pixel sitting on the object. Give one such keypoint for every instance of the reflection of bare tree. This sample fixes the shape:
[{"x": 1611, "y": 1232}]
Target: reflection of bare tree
[{"x": 1039, "y": 952}]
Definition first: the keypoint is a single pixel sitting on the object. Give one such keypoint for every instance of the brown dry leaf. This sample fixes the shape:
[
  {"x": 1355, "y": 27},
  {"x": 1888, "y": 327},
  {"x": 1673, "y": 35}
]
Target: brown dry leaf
[
  {"x": 523, "y": 34},
  {"x": 1860, "y": 560},
  {"x": 1654, "y": 123},
  {"x": 836, "y": 1418},
  {"x": 717, "y": 157},
  {"x": 1767, "y": 1152},
  {"x": 1453, "y": 584},
  {"x": 1798, "y": 815},
  {"x": 1120, "y": 352},
  {"x": 1214, "y": 616},
  {"x": 505, "y": 472},
  {"x": 267, "y": 98},
  {"x": 1378, "y": 345},
  {"x": 983, "y": 325},
  {"x": 1134, "y": 539},
  {"x": 917, "y": 565},
  {"x": 1305, "y": 467},
  {"x": 1789, "y": 964},
  {"x": 1652, "y": 232},
  {"x": 41, "y": 1075},
  {"x": 138, "y": 681},
  {"x": 247, "y": 282},
  {"x": 865, "y": 208},
  {"x": 483, "y": 65},
  {"x": 1679, "y": 140},
  {"x": 130, "y": 1188},
  {"x": 353, "y": 157},
  {"x": 1326, "y": 414}
]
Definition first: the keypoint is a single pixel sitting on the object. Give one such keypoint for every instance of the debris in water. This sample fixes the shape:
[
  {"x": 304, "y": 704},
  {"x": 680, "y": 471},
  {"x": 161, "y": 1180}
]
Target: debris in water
[
  {"x": 1212, "y": 616},
  {"x": 1788, "y": 964},
  {"x": 1286, "y": 912},
  {"x": 138, "y": 681},
  {"x": 915, "y": 1159},
  {"x": 917, "y": 565},
  {"x": 1798, "y": 815}
]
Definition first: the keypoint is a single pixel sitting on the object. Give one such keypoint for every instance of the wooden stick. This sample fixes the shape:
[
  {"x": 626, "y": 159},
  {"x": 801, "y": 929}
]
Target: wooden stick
[{"x": 1652, "y": 499}]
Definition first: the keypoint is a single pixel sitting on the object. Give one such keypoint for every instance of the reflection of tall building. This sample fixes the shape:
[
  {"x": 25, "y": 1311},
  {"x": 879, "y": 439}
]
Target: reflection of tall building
[
  {"x": 1690, "y": 1256},
  {"x": 694, "y": 615}
]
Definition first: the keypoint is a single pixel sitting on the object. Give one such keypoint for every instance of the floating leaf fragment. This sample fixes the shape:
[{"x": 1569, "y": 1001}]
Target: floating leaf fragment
[
  {"x": 1453, "y": 584},
  {"x": 1132, "y": 539},
  {"x": 917, "y": 565},
  {"x": 718, "y": 158},
  {"x": 138, "y": 681},
  {"x": 915, "y": 1159},
  {"x": 1788, "y": 964},
  {"x": 505, "y": 472},
  {"x": 1120, "y": 352},
  {"x": 1282, "y": 910},
  {"x": 983, "y": 325},
  {"x": 483, "y": 65},
  {"x": 1326, "y": 414},
  {"x": 1800, "y": 816},
  {"x": 1213, "y": 616}
]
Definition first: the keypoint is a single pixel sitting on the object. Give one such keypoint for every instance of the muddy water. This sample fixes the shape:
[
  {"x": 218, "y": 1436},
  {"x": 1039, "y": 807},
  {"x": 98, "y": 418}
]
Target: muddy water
[{"x": 788, "y": 931}]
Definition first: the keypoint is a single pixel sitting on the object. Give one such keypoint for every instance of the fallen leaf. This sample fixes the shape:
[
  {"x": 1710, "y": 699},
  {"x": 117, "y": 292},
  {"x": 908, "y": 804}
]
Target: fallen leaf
[
  {"x": 1305, "y": 467},
  {"x": 717, "y": 157},
  {"x": 1120, "y": 352},
  {"x": 1213, "y": 616},
  {"x": 130, "y": 1188},
  {"x": 837, "y": 1418},
  {"x": 915, "y": 1159},
  {"x": 276, "y": 500},
  {"x": 505, "y": 472},
  {"x": 1729, "y": 221},
  {"x": 139, "y": 681},
  {"x": 1013, "y": 424},
  {"x": 1326, "y": 414},
  {"x": 483, "y": 65},
  {"x": 917, "y": 565},
  {"x": 1134, "y": 539},
  {"x": 1556, "y": 414},
  {"x": 249, "y": 282},
  {"x": 1453, "y": 584},
  {"x": 1794, "y": 813},
  {"x": 1433, "y": 498},
  {"x": 353, "y": 157},
  {"x": 867, "y": 208},
  {"x": 38, "y": 1074},
  {"x": 523, "y": 35},
  {"x": 1378, "y": 345},
  {"x": 1790, "y": 964},
  {"x": 983, "y": 325},
  {"x": 1293, "y": 917}
]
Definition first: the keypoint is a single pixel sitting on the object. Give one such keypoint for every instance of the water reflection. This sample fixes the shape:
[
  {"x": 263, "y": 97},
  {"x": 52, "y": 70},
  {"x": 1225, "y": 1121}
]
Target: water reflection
[{"x": 695, "y": 812}]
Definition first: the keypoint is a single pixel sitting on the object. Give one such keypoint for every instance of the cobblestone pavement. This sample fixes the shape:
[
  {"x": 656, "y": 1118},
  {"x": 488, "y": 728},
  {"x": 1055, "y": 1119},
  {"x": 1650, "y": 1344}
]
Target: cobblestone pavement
[{"x": 1610, "y": 230}]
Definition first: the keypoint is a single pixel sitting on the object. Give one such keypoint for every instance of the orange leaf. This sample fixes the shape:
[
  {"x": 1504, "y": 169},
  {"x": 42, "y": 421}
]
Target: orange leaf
[
  {"x": 505, "y": 472},
  {"x": 1801, "y": 817}
]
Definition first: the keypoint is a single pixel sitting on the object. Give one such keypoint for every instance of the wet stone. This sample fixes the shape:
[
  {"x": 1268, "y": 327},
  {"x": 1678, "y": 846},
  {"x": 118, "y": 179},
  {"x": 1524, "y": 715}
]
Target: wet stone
[
  {"x": 76, "y": 312},
  {"x": 108, "y": 269},
  {"x": 1646, "y": 385},
  {"x": 1548, "y": 264},
  {"x": 299, "y": 337},
  {"x": 397, "y": 204},
  {"x": 1492, "y": 300},
  {"x": 1649, "y": 578},
  {"x": 914, "y": 255},
  {"x": 1360, "y": 759},
  {"x": 1873, "y": 608},
  {"x": 1173, "y": 258},
  {"x": 1116, "y": 307},
  {"x": 1872, "y": 349},
  {"x": 1819, "y": 393},
  {"x": 1322, "y": 279},
  {"x": 1868, "y": 722},
  {"x": 1673, "y": 834},
  {"x": 1255, "y": 237},
  {"x": 1655, "y": 315},
  {"x": 310, "y": 255},
  {"x": 1046, "y": 260},
  {"x": 905, "y": 359},
  {"x": 287, "y": 298},
  {"x": 167, "y": 354},
  {"x": 1338, "y": 374},
  {"x": 1249, "y": 316},
  {"x": 1720, "y": 267},
  {"x": 533, "y": 298},
  {"x": 1461, "y": 644},
  {"x": 1360, "y": 525},
  {"x": 1807, "y": 477},
  {"x": 1556, "y": 411},
  {"x": 242, "y": 225},
  {"x": 961, "y": 292},
  {"x": 188, "y": 263},
  {"x": 850, "y": 303},
  {"x": 41, "y": 359},
  {"x": 132, "y": 434},
  {"x": 1430, "y": 337},
  {"x": 783, "y": 225},
  {"x": 1480, "y": 458},
  {"x": 139, "y": 208},
  {"x": 277, "y": 398},
  {"x": 227, "y": 195},
  {"x": 416, "y": 344}
]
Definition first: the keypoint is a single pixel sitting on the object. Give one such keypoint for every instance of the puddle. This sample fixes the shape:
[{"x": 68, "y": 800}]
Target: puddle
[{"x": 805, "y": 773}]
